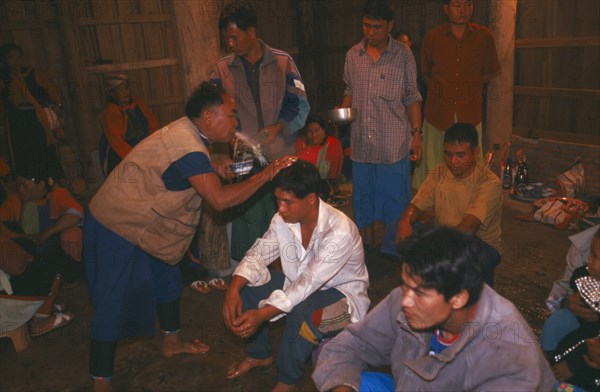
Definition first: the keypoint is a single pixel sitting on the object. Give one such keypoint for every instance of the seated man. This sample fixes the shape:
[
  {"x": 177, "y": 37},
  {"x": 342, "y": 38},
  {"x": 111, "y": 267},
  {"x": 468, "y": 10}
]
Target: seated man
[
  {"x": 442, "y": 330},
  {"x": 324, "y": 279},
  {"x": 462, "y": 194}
]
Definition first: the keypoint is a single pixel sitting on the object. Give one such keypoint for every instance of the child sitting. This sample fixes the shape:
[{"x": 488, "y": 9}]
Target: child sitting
[{"x": 571, "y": 362}]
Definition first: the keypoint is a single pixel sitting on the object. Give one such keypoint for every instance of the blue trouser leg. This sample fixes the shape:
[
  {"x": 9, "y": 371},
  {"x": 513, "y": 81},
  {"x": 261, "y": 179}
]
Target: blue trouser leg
[
  {"x": 376, "y": 382},
  {"x": 556, "y": 327},
  {"x": 294, "y": 349},
  {"x": 492, "y": 259},
  {"x": 258, "y": 345}
]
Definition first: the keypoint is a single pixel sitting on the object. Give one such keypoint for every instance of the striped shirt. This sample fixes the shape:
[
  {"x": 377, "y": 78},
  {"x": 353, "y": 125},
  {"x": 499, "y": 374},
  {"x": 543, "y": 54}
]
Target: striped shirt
[{"x": 381, "y": 90}]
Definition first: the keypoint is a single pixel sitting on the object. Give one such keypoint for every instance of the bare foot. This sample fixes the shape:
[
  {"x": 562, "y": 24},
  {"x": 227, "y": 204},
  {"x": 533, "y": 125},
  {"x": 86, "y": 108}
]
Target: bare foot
[
  {"x": 245, "y": 365},
  {"x": 173, "y": 345},
  {"x": 282, "y": 387},
  {"x": 103, "y": 386}
]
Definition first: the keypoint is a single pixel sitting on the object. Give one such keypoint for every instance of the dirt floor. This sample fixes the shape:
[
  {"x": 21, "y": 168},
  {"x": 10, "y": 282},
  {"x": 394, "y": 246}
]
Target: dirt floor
[{"x": 533, "y": 257}]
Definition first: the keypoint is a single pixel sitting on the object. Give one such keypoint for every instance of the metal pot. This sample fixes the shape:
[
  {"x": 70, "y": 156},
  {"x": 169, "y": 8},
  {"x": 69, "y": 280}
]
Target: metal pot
[{"x": 342, "y": 115}]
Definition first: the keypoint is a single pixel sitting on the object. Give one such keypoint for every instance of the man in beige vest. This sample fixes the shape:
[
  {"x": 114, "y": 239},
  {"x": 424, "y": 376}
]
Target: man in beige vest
[{"x": 142, "y": 221}]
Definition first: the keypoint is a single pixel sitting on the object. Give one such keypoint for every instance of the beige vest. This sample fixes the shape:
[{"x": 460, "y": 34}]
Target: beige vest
[{"x": 134, "y": 202}]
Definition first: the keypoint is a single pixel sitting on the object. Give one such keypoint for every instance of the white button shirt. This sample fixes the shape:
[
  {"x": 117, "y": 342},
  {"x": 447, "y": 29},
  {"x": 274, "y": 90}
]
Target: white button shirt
[{"x": 334, "y": 258}]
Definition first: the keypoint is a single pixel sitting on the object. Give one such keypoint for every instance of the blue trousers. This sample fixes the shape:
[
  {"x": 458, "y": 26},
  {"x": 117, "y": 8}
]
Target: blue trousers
[
  {"x": 376, "y": 382},
  {"x": 294, "y": 349},
  {"x": 491, "y": 256},
  {"x": 380, "y": 192},
  {"x": 556, "y": 327}
]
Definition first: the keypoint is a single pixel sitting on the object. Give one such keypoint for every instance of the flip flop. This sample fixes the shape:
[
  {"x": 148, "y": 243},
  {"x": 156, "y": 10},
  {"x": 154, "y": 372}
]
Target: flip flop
[
  {"x": 218, "y": 284},
  {"x": 201, "y": 287},
  {"x": 56, "y": 308},
  {"x": 60, "y": 320}
]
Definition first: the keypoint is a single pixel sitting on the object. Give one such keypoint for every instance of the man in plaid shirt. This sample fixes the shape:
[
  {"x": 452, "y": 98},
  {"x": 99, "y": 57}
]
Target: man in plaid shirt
[{"x": 381, "y": 82}]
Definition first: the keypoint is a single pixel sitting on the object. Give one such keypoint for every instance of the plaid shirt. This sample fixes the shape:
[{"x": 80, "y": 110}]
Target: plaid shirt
[{"x": 381, "y": 90}]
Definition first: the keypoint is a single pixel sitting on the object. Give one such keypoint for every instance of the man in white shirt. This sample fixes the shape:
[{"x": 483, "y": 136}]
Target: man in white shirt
[{"x": 324, "y": 279}]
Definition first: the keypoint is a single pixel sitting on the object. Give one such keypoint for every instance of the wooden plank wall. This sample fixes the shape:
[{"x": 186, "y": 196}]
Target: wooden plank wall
[
  {"x": 134, "y": 36},
  {"x": 557, "y": 58},
  {"x": 556, "y": 63}
]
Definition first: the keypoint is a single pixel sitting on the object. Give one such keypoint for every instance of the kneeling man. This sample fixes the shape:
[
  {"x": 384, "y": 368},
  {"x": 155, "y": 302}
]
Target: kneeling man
[
  {"x": 442, "y": 330},
  {"x": 322, "y": 286}
]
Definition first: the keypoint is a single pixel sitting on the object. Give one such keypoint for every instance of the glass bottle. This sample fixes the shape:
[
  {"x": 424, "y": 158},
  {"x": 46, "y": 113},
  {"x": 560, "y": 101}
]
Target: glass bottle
[
  {"x": 521, "y": 179},
  {"x": 507, "y": 177}
]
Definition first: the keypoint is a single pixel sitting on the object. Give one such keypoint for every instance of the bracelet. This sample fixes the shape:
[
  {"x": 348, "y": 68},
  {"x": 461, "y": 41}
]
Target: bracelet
[
  {"x": 415, "y": 130},
  {"x": 105, "y": 378},
  {"x": 170, "y": 332}
]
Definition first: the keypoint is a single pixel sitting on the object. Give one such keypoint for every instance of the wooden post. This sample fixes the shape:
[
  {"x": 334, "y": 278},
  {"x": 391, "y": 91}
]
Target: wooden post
[
  {"x": 197, "y": 31},
  {"x": 83, "y": 97},
  {"x": 499, "y": 121},
  {"x": 306, "y": 30}
]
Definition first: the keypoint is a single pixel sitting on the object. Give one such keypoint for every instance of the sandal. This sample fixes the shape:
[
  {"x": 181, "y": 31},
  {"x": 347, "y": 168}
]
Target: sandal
[
  {"x": 56, "y": 308},
  {"x": 218, "y": 284},
  {"x": 201, "y": 287},
  {"x": 60, "y": 320}
]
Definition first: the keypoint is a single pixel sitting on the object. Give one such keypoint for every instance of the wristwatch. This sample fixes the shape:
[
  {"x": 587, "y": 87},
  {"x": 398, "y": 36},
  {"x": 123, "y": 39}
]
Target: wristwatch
[{"x": 415, "y": 130}]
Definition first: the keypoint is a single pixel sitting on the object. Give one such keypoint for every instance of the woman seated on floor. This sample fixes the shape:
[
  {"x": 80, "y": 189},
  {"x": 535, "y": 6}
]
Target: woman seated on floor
[
  {"x": 325, "y": 152},
  {"x": 34, "y": 290},
  {"x": 24, "y": 277},
  {"x": 44, "y": 219}
]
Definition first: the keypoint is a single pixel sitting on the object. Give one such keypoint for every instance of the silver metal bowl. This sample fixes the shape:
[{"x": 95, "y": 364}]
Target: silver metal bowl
[
  {"x": 342, "y": 115},
  {"x": 242, "y": 168}
]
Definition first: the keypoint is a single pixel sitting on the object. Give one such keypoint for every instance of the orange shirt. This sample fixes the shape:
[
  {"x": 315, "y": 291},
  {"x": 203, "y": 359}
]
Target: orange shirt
[
  {"x": 61, "y": 202},
  {"x": 455, "y": 71},
  {"x": 114, "y": 124}
]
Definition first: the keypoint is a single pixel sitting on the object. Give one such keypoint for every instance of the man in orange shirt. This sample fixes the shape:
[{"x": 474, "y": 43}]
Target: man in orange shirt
[{"x": 457, "y": 59}]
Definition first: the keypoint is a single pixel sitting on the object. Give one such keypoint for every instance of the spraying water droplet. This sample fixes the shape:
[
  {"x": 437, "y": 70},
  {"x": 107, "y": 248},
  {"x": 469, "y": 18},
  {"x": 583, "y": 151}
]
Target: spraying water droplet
[{"x": 252, "y": 150}]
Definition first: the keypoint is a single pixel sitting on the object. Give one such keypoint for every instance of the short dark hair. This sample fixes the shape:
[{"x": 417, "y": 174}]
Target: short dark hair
[
  {"x": 240, "y": 13},
  {"x": 39, "y": 171},
  {"x": 301, "y": 179},
  {"x": 205, "y": 96},
  {"x": 448, "y": 261},
  {"x": 461, "y": 133},
  {"x": 378, "y": 10},
  {"x": 315, "y": 118},
  {"x": 5, "y": 49}
]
